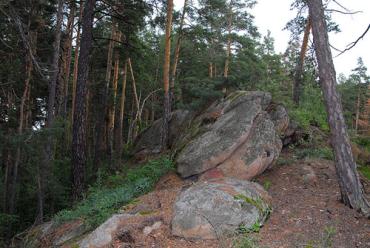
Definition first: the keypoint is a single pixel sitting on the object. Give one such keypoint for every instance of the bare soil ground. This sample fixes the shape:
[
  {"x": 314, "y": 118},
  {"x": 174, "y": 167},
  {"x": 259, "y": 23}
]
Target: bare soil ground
[{"x": 307, "y": 211}]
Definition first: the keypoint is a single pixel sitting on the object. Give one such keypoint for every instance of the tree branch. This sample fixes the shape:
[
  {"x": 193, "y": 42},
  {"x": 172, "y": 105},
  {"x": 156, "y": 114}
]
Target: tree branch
[{"x": 352, "y": 44}]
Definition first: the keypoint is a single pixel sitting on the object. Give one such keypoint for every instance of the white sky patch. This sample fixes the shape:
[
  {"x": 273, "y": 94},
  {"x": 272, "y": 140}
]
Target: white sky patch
[{"x": 274, "y": 14}]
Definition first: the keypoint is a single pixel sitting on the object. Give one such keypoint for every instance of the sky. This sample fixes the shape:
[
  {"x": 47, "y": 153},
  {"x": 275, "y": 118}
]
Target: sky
[{"x": 274, "y": 14}]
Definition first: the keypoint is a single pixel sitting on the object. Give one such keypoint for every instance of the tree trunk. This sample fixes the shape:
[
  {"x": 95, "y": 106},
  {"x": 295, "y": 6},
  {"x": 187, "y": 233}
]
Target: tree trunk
[
  {"x": 358, "y": 104},
  {"x": 102, "y": 145},
  {"x": 79, "y": 124},
  {"x": 46, "y": 166},
  {"x": 136, "y": 99},
  {"x": 112, "y": 107},
  {"x": 177, "y": 54},
  {"x": 119, "y": 134},
  {"x": 299, "y": 69},
  {"x": 67, "y": 56},
  {"x": 351, "y": 189},
  {"x": 75, "y": 66},
  {"x": 11, "y": 174},
  {"x": 166, "y": 70},
  {"x": 228, "y": 45},
  {"x": 132, "y": 132}
]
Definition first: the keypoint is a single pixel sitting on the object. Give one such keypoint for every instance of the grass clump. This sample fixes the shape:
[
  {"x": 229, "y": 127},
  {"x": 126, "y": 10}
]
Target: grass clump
[
  {"x": 365, "y": 171},
  {"x": 102, "y": 201},
  {"x": 245, "y": 242},
  {"x": 320, "y": 152}
]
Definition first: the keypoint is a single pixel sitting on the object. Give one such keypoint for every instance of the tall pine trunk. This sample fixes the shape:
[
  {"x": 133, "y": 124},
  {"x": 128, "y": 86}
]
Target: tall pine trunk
[
  {"x": 112, "y": 106},
  {"x": 177, "y": 53},
  {"x": 46, "y": 166},
  {"x": 351, "y": 189},
  {"x": 67, "y": 57},
  {"x": 119, "y": 130},
  {"x": 75, "y": 65},
  {"x": 166, "y": 71},
  {"x": 299, "y": 68},
  {"x": 79, "y": 123}
]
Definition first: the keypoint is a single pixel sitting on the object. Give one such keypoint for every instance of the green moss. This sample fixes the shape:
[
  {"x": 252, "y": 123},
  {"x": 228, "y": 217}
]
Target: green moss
[
  {"x": 262, "y": 207},
  {"x": 235, "y": 95}
]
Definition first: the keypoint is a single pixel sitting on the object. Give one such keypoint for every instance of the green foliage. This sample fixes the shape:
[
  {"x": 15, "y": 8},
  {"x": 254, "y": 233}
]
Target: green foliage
[
  {"x": 102, "y": 201},
  {"x": 311, "y": 110},
  {"x": 364, "y": 142},
  {"x": 319, "y": 152},
  {"x": 365, "y": 170},
  {"x": 267, "y": 184},
  {"x": 327, "y": 240}
]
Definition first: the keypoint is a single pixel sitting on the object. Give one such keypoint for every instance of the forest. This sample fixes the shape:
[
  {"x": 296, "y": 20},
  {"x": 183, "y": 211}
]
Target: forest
[{"x": 80, "y": 80}]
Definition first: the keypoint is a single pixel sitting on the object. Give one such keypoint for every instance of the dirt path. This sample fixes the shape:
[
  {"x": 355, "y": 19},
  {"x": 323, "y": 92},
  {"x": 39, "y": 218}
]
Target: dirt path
[{"x": 307, "y": 212}]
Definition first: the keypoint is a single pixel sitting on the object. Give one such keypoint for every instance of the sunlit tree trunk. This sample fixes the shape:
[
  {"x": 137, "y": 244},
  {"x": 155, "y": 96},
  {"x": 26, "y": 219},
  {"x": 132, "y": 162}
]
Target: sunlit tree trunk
[
  {"x": 228, "y": 45},
  {"x": 177, "y": 53},
  {"x": 67, "y": 56},
  {"x": 112, "y": 106},
  {"x": 351, "y": 189},
  {"x": 79, "y": 123},
  {"x": 133, "y": 125},
  {"x": 119, "y": 133},
  {"x": 166, "y": 71},
  {"x": 75, "y": 66},
  {"x": 358, "y": 105},
  {"x": 299, "y": 68}
]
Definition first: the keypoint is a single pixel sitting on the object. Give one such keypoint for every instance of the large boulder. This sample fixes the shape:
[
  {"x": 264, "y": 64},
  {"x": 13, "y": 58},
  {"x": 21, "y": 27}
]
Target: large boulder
[
  {"x": 148, "y": 142},
  {"x": 257, "y": 154},
  {"x": 242, "y": 140},
  {"x": 279, "y": 115},
  {"x": 211, "y": 209}
]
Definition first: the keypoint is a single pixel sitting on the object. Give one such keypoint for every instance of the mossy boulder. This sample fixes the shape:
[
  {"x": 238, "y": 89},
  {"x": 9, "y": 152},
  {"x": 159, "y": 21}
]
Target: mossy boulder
[{"x": 212, "y": 209}]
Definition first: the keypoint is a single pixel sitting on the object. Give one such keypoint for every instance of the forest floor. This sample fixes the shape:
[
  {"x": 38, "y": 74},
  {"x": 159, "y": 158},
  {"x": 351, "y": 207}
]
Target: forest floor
[{"x": 306, "y": 211}]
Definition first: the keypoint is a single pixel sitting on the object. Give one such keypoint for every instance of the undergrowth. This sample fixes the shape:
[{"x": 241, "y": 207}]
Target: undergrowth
[
  {"x": 365, "y": 171},
  {"x": 104, "y": 200},
  {"x": 245, "y": 241}
]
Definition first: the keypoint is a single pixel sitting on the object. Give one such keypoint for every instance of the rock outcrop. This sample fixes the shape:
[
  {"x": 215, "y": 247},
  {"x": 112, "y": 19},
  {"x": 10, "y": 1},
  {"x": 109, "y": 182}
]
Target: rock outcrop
[
  {"x": 241, "y": 142},
  {"x": 148, "y": 142},
  {"x": 212, "y": 209}
]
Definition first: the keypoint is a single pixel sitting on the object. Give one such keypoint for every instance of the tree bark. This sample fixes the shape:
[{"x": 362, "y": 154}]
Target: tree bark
[
  {"x": 75, "y": 66},
  {"x": 358, "y": 104},
  {"x": 112, "y": 106},
  {"x": 79, "y": 124},
  {"x": 136, "y": 99},
  {"x": 46, "y": 166},
  {"x": 166, "y": 70},
  {"x": 67, "y": 57},
  {"x": 119, "y": 134},
  {"x": 299, "y": 68},
  {"x": 177, "y": 53},
  {"x": 351, "y": 189}
]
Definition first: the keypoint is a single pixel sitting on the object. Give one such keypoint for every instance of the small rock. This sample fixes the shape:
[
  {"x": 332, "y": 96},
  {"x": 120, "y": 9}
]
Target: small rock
[{"x": 148, "y": 229}]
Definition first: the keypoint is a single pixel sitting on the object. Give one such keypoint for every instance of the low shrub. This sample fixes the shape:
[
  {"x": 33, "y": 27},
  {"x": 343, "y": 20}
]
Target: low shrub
[{"x": 102, "y": 201}]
